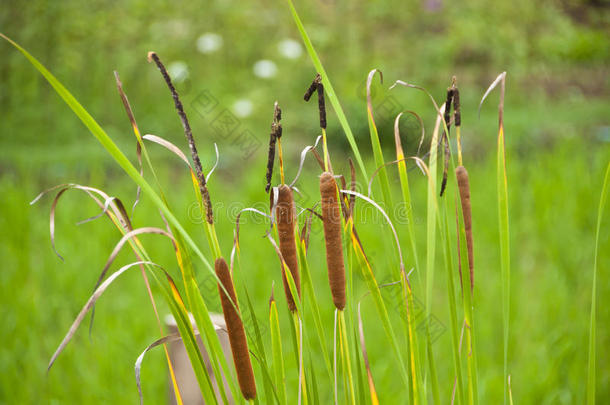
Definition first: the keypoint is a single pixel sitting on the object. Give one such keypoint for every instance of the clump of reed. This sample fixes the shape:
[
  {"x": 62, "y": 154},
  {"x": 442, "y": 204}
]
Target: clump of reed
[{"x": 413, "y": 362}]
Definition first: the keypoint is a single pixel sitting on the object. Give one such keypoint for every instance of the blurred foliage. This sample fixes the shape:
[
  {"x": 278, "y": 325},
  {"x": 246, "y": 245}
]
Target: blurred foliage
[{"x": 554, "y": 53}]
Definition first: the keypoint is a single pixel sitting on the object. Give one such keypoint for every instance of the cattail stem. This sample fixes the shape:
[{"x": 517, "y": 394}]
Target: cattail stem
[
  {"x": 345, "y": 353},
  {"x": 464, "y": 189},
  {"x": 325, "y": 150},
  {"x": 286, "y": 219},
  {"x": 459, "y": 144},
  {"x": 235, "y": 330},
  {"x": 331, "y": 218},
  {"x": 298, "y": 327},
  {"x": 281, "y": 159}
]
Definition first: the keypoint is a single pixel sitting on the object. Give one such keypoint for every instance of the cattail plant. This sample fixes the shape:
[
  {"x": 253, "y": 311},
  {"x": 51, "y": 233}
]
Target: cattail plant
[
  {"x": 235, "y": 330},
  {"x": 331, "y": 219},
  {"x": 331, "y": 214},
  {"x": 283, "y": 205}
]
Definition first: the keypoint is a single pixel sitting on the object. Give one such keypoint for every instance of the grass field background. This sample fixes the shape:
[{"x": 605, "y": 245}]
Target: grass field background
[{"x": 558, "y": 144}]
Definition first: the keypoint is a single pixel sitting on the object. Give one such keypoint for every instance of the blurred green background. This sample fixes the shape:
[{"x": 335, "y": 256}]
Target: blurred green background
[{"x": 234, "y": 59}]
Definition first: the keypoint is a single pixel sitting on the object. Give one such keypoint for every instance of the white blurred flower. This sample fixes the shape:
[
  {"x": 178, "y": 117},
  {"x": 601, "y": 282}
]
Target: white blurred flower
[
  {"x": 178, "y": 71},
  {"x": 243, "y": 107},
  {"x": 265, "y": 69},
  {"x": 290, "y": 49},
  {"x": 209, "y": 42}
]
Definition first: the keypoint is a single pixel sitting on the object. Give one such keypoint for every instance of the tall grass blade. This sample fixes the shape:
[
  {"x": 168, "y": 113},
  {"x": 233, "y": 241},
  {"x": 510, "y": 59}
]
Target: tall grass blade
[
  {"x": 451, "y": 297},
  {"x": 260, "y": 347},
  {"x": 169, "y": 146},
  {"x": 90, "y": 303},
  {"x": 375, "y": 144},
  {"x": 312, "y": 302},
  {"x": 468, "y": 301},
  {"x": 138, "y": 366},
  {"x": 503, "y": 223},
  {"x": 315, "y": 398},
  {"x": 382, "y": 312},
  {"x": 404, "y": 186},
  {"x": 328, "y": 88},
  {"x": 365, "y": 356},
  {"x": 431, "y": 220},
  {"x": 185, "y": 328},
  {"x": 276, "y": 351},
  {"x": 593, "y": 324}
]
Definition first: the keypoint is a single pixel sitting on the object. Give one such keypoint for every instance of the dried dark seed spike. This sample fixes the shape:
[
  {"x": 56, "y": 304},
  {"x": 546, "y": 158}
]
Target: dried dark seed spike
[
  {"x": 447, "y": 115},
  {"x": 446, "y": 167},
  {"x": 445, "y": 139},
  {"x": 203, "y": 189},
  {"x": 276, "y": 133},
  {"x": 456, "y": 107},
  {"x": 312, "y": 87},
  {"x": 321, "y": 106},
  {"x": 270, "y": 159}
]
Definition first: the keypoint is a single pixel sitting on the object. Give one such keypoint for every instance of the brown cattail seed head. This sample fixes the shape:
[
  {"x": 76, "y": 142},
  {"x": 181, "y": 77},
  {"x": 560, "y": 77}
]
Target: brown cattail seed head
[
  {"x": 321, "y": 105},
  {"x": 235, "y": 330},
  {"x": 464, "y": 188},
  {"x": 285, "y": 214},
  {"x": 331, "y": 218}
]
